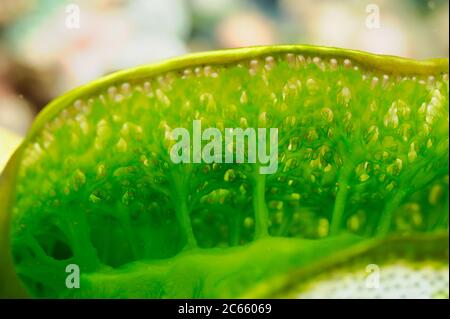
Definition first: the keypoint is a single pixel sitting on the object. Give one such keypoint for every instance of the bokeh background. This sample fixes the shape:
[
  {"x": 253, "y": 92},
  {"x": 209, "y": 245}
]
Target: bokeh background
[{"x": 43, "y": 55}]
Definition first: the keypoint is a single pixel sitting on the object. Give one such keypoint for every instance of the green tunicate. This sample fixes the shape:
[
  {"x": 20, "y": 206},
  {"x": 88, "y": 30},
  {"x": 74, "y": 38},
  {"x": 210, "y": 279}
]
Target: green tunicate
[{"x": 363, "y": 154}]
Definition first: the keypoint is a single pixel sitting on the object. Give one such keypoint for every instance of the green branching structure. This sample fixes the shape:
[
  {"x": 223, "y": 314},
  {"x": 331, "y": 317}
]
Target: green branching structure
[{"x": 363, "y": 156}]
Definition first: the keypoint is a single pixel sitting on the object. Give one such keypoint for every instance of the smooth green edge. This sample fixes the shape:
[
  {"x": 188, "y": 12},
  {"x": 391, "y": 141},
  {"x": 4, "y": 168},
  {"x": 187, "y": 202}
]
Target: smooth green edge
[
  {"x": 382, "y": 63},
  {"x": 278, "y": 285},
  {"x": 10, "y": 284}
]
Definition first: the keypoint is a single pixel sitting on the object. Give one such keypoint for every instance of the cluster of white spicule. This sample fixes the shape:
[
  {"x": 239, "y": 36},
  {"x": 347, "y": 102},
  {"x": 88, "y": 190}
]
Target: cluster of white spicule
[
  {"x": 394, "y": 281},
  {"x": 158, "y": 86}
]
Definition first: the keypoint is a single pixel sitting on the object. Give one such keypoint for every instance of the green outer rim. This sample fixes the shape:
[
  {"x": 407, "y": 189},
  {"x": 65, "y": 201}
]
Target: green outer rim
[
  {"x": 382, "y": 63},
  {"x": 10, "y": 285},
  {"x": 274, "y": 287}
]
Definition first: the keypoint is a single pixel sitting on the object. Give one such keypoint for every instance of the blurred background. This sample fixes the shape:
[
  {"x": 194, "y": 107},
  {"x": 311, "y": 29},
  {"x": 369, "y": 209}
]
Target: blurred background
[{"x": 50, "y": 46}]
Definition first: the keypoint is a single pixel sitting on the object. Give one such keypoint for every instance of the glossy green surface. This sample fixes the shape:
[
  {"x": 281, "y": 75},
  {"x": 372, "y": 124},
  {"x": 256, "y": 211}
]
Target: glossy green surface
[{"x": 363, "y": 153}]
